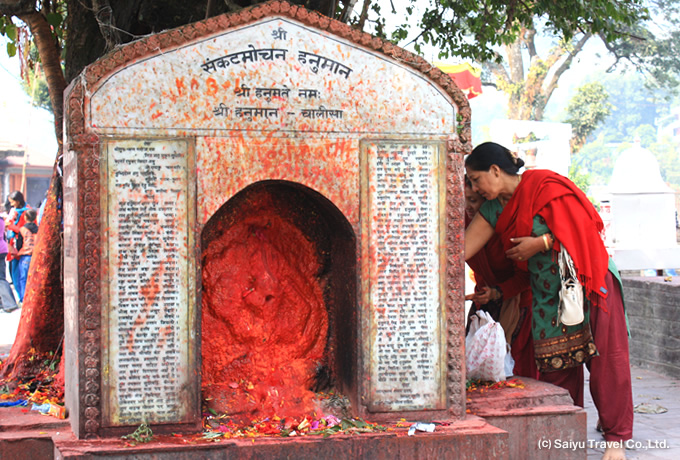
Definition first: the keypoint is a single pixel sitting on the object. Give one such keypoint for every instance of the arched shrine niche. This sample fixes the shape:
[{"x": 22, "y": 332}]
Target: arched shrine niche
[{"x": 278, "y": 301}]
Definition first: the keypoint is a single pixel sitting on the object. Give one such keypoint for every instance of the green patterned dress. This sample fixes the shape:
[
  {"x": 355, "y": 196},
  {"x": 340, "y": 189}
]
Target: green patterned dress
[{"x": 556, "y": 346}]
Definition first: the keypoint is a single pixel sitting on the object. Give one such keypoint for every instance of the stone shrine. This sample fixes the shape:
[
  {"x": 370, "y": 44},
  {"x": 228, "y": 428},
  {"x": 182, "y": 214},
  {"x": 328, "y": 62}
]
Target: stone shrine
[{"x": 169, "y": 138}]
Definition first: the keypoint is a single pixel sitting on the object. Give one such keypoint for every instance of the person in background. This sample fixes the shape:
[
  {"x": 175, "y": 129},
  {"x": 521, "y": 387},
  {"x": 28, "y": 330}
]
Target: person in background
[
  {"x": 503, "y": 291},
  {"x": 9, "y": 303},
  {"x": 28, "y": 233},
  {"x": 13, "y": 222},
  {"x": 536, "y": 215}
]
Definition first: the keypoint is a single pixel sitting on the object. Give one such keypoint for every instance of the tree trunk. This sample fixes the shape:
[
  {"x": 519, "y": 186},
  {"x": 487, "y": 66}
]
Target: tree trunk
[
  {"x": 528, "y": 94},
  {"x": 48, "y": 48},
  {"x": 514, "y": 85},
  {"x": 84, "y": 43}
]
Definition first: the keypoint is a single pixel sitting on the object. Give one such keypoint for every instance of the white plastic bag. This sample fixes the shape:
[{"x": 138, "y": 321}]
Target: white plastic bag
[
  {"x": 485, "y": 349},
  {"x": 509, "y": 364}
]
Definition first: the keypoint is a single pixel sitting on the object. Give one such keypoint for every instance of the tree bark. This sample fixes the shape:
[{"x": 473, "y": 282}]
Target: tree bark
[
  {"x": 49, "y": 51},
  {"x": 16, "y": 7}
]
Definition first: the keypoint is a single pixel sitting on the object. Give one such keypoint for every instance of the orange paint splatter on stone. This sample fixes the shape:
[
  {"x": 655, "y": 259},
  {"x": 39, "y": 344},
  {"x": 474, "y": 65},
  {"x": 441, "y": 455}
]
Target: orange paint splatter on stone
[{"x": 264, "y": 319}]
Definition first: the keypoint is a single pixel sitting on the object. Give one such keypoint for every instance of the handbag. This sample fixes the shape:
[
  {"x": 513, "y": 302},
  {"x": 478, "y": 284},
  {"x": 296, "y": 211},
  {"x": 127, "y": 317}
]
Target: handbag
[{"x": 570, "y": 311}]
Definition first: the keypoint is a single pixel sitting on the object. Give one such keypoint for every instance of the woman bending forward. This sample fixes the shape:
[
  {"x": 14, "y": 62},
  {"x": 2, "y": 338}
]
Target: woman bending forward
[{"x": 537, "y": 214}]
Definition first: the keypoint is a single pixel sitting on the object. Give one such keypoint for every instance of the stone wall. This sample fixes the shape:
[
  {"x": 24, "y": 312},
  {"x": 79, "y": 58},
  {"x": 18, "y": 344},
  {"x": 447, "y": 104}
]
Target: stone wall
[{"x": 653, "y": 307}]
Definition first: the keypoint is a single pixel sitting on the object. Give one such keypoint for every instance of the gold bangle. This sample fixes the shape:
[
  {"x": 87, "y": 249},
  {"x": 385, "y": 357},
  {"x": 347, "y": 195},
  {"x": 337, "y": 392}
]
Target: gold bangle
[{"x": 545, "y": 242}]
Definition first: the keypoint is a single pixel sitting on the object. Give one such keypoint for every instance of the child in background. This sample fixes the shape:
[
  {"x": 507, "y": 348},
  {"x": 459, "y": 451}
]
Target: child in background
[{"x": 28, "y": 233}]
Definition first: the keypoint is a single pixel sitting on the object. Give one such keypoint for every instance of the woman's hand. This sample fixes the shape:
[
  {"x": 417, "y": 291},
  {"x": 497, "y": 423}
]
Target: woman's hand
[
  {"x": 486, "y": 295},
  {"x": 525, "y": 247}
]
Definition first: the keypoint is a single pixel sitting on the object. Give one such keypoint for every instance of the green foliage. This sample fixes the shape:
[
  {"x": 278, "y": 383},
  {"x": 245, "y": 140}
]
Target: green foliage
[
  {"x": 349, "y": 426},
  {"x": 579, "y": 177},
  {"x": 56, "y": 20},
  {"x": 379, "y": 22},
  {"x": 36, "y": 87},
  {"x": 667, "y": 152},
  {"x": 647, "y": 135},
  {"x": 588, "y": 108},
  {"x": 599, "y": 157},
  {"x": 142, "y": 434},
  {"x": 468, "y": 29},
  {"x": 9, "y": 30},
  {"x": 597, "y": 160},
  {"x": 652, "y": 47},
  {"x": 632, "y": 105}
]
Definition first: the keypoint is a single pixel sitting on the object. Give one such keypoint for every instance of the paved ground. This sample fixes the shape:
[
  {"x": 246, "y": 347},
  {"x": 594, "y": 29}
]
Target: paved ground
[
  {"x": 653, "y": 391},
  {"x": 8, "y": 329}
]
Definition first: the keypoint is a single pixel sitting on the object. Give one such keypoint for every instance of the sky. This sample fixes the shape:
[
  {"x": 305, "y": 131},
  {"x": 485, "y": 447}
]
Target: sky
[{"x": 20, "y": 123}]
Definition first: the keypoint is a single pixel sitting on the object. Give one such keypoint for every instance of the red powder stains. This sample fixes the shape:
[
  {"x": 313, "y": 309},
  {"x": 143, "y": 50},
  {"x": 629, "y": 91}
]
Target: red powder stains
[
  {"x": 179, "y": 83},
  {"x": 156, "y": 115},
  {"x": 212, "y": 87},
  {"x": 163, "y": 334},
  {"x": 239, "y": 161},
  {"x": 194, "y": 84},
  {"x": 264, "y": 319},
  {"x": 149, "y": 293}
]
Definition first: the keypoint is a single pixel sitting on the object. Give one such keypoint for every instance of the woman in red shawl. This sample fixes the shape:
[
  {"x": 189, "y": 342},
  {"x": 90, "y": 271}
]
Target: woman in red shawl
[
  {"x": 535, "y": 215},
  {"x": 502, "y": 291}
]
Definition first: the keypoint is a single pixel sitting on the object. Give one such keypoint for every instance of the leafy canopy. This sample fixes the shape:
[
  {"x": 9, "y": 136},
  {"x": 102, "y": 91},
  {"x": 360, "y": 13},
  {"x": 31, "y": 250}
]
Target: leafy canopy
[
  {"x": 588, "y": 109},
  {"x": 473, "y": 28}
]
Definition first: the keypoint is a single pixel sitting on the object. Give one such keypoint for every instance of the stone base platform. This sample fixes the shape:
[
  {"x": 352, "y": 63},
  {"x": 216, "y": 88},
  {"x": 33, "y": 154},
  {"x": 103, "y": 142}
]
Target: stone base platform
[
  {"x": 505, "y": 423},
  {"x": 471, "y": 438},
  {"x": 28, "y": 435},
  {"x": 540, "y": 419}
]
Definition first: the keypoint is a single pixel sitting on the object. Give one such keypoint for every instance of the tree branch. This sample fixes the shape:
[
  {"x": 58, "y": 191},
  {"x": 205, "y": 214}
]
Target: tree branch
[
  {"x": 347, "y": 10},
  {"x": 104, "y": 16},
  {"x": 364, "y": 14},
  {"x": 498, "y": 71},
  {"x": 565, "y": 65},
  {"x": 528, "y": 37},
  {"x": 515, "y": 62}
]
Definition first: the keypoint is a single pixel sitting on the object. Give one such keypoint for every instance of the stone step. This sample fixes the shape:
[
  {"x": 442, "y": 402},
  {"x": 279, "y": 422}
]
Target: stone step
[
  {"x": 28, "y": 435},
  {"x": 540, "y": 418},
  {"x": 471, "y": 438}
]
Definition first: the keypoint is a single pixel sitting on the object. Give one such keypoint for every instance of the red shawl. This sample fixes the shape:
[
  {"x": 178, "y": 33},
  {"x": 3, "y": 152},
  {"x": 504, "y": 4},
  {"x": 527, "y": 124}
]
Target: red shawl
[{"x": 571, "y": 218}]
